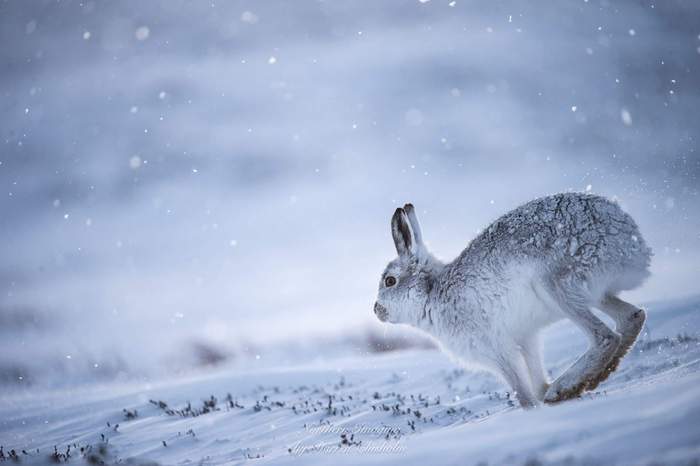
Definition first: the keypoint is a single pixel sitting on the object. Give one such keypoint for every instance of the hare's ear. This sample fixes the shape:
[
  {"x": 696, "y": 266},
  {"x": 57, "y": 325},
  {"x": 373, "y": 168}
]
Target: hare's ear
[
  {"x": 415, "y": 226},
  {"x": 402, "y": 234}
]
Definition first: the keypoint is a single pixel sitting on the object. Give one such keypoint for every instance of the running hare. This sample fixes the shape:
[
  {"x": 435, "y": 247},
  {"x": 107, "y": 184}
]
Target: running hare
[{"x": 552, "y": 258}]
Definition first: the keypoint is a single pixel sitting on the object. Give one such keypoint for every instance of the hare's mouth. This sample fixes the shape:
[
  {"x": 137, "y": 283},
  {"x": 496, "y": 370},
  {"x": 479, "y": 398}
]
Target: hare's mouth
[{"x": 381, "y": 312}]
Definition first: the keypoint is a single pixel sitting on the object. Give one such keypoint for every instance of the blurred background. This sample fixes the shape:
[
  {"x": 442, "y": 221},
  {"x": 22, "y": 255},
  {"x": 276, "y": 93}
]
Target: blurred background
[{"x": 185, "y": 184}]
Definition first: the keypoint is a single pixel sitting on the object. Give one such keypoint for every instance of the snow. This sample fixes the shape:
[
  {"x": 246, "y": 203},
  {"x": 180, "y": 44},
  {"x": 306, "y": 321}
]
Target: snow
[
  {"x": 183, "y": 218},
  {"x": 412, "y": 407},
  {"x": 249, "y": 17},
  {"x": 150, "y": 143},
  {"x": 142, "y": 33}
]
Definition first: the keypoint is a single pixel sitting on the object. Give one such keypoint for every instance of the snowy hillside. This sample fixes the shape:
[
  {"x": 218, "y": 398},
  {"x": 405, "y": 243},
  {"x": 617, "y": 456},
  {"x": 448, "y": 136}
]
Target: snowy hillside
[
  {"x": 412, "y": 407},
  {"x": 152, "y": 153}
]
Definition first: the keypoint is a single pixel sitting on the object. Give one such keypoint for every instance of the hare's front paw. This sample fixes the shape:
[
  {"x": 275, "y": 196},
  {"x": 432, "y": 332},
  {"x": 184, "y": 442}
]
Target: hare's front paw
[{"x": 542, "y": 391}]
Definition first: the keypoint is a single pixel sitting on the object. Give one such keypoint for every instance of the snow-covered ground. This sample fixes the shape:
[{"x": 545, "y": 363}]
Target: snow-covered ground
[
  {"x": 152, "y": 152},
  {"x": 410, "y": 407}
]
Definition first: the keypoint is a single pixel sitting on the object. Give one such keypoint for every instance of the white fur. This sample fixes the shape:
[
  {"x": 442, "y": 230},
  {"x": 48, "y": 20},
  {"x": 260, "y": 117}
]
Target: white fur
[{"x": 552, "y": 258}]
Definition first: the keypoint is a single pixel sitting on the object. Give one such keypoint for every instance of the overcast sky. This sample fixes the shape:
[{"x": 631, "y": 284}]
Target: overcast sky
[{"x": 227, "y": 171}]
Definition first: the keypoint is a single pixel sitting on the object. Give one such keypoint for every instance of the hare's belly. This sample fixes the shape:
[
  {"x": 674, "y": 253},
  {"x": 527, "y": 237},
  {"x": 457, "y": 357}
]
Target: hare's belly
[{"x": 523, "y": 305}]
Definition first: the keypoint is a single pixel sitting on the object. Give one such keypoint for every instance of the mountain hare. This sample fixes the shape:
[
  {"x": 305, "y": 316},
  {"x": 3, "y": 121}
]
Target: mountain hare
[{"x": 552, "y": 258}]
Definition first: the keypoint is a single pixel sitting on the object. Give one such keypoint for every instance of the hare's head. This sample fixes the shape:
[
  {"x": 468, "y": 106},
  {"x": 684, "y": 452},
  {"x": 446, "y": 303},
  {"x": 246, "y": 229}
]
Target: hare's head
[{"x": 407, "y": 281}]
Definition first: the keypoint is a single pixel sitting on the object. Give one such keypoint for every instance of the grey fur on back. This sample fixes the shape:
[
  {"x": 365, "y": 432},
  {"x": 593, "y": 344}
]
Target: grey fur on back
[{"x": 567, "y": 233}]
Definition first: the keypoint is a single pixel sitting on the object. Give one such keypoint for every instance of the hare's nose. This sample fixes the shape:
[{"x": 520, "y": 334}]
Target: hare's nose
[{"x": 380, "y": 312}]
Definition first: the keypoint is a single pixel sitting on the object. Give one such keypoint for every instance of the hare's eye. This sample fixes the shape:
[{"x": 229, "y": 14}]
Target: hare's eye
[{"x": 390, "y": 281}]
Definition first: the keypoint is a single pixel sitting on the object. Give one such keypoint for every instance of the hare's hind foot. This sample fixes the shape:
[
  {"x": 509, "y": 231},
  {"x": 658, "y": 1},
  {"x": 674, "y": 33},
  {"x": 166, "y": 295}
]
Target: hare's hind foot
[
  {"x": 603, "y": 350},
  {"x": 587, "y": 371},
  {"x": 629, "y": 321},
  {"x": 562, "y": 391}
]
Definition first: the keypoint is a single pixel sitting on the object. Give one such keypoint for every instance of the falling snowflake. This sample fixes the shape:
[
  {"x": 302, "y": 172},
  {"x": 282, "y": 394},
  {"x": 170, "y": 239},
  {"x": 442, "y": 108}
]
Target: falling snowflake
[
  {"x": 249, "y": 17},
  {"x": 134, "y": 162},
  {"x": 142, "y": 33},
  {"x": 626, "y": 117}
]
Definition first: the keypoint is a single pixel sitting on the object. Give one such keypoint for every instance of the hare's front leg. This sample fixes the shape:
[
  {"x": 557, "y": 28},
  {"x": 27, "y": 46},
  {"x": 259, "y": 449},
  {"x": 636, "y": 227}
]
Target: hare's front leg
[
  {"x": 604, "y": 344},
  {"x": 515, "y": 371},
  {"x": 532, "y": 352}
]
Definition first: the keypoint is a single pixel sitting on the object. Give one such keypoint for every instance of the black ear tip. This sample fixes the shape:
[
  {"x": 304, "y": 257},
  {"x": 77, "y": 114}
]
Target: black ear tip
[
  {"x": 408, "y": 207},
  {"x": 398, "y": 212}
]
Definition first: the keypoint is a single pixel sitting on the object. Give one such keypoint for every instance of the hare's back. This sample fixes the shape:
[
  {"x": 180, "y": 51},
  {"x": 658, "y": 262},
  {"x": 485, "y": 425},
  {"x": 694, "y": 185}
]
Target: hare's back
[{"x": 583, "y": 233}]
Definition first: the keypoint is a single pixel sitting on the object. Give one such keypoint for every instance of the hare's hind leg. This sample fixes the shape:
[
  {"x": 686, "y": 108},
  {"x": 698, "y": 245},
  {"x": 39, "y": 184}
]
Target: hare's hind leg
[
  {"x": 629, "y": 321},
  {"x": 604, "y": 344}
]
